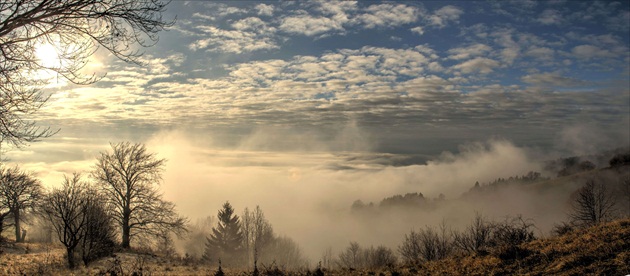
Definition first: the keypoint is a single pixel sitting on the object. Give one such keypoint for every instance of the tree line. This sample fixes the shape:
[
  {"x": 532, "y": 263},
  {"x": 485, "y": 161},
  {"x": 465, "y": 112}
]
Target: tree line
[
  {"x": 118, "y": 204},
  {"x": 121, "y": 191},
  {"x": 249, "y": 241}
]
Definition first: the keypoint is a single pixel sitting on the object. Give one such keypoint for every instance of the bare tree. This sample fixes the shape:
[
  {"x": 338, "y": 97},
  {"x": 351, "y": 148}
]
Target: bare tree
[
  {"x": 351, "y": 258},
  {"x": 100, "y": 236},
  {"x": 426, "y": 245},
  {"x": 411, "y": 248},
  {"x": 476, "y": 238},
  {"x": 76, "y": 29},
  {"x": 19, "y": 191},
  {"x": 257, "y": 235},
  {"x": 379, "y": 257},
  {"x": 67, "y": 208},
  {"x": 129, "y": 176},
  {"x": 592, "y": 204},
  {"x": 327, "y": 259}
]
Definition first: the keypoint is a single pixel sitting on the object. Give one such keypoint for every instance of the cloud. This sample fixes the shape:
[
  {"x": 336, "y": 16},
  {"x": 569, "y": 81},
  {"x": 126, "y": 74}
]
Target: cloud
[
  {"x": 540, "y": 53},
  {"x": 309, "y": 25},
  {"x": 418, "y": 30},
  {"x": 551, "y": 79},
  {"x": 588, "y": 52},
  {"x": 474, "y": 50},
  {"x": 550, "y": 17},
  {"x": 250, "y": 34},
  {"x": 443, "y": 16},
  {"x": 264, "y": 9},
  {"x": 480, "y": 65},
  {"x": 388, "y": 15}
]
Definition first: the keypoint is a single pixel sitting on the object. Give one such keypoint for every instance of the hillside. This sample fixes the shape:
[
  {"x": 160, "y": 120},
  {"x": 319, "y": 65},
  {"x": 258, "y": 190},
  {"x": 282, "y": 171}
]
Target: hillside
[{"x": 600, "y": 250}]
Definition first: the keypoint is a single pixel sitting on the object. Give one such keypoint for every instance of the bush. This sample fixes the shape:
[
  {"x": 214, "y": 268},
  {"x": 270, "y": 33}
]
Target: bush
[
  {"x": 380, "y": 257},
  {"x": 508, "y": 235},
  {"x": 620, "y": 159},
  {"x": 426, "y": 245},
  {"x": 476, "y": 238},
  {"x": 99, "y": 239}
]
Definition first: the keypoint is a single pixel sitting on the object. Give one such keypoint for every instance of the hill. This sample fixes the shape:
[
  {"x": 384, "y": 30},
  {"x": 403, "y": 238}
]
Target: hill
[{"x": 599, "y": 250}]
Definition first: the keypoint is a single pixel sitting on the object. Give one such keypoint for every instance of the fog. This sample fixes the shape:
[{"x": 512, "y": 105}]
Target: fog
[
  {"x": 306, "y": 183},
  {"x": 307, "y": 195}
]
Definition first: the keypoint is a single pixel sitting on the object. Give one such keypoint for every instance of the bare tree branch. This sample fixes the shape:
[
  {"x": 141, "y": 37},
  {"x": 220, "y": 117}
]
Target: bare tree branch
[{"x": 76, "y": 29}]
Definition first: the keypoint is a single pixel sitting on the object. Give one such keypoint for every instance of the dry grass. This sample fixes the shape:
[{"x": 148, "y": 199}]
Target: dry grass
[{"x": 600, "y": 250}]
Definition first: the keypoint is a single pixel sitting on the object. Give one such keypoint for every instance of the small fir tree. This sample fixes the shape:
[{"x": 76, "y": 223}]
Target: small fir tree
[{"x": 226, "y": 240}]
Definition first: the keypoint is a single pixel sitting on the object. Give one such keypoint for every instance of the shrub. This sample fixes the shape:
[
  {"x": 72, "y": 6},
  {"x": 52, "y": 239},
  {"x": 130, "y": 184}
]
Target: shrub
[{"x": 476, "y": 238}]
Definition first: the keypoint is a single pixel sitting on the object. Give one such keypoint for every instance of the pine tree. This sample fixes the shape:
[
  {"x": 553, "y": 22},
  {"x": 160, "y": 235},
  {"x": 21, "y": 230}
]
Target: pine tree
[{"x": 225, "y": 241}]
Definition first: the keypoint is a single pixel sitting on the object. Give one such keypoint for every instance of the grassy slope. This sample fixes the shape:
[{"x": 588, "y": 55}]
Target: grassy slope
[{"x": 600, "y": 250}]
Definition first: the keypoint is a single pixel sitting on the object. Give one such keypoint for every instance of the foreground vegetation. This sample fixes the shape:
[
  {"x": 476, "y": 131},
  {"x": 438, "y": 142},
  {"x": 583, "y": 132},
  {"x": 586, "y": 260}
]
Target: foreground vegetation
[{"x": 597, "y": 250}]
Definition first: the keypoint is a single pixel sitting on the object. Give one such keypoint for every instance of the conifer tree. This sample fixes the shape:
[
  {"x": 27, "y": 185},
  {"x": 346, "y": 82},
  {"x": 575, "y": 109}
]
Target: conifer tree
[{"x": 226, "y": 240}]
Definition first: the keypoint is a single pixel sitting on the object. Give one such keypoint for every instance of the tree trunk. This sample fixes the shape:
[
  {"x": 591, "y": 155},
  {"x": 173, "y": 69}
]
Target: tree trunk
[
  {"x": 125, "y": 228},
  {"x": 1, "y": 227},
  {"x": 70, "y": 253},
  {"x": 16, "y": 217}
]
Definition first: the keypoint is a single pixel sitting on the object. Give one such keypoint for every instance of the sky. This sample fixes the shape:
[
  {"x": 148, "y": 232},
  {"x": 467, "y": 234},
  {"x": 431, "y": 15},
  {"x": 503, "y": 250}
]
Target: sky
[{"x": 334, "y": 101}]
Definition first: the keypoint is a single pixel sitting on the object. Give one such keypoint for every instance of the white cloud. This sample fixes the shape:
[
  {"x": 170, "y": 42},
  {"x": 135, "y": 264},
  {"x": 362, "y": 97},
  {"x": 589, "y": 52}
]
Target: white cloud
[
  {"x": 254, "y": 24},
  {"x": 251, "y": 34},
  {"x": 388, "y": 15},
  {"x": 474, "y": 50},
  {"x": 445, "y": 15},
  {"x": 224, "y": 10},
  {"x": 339, "y": 11},
  {"x": 310, "y": 26},
  {"x": 264, "y": 9},
  {"x": 588, "y": 52},
  {"x": 479, "y": 64},
  {"x": 203, "y": 16},
  {"x": 511, "y": 49},
  {"x": 418, "y": 30}
]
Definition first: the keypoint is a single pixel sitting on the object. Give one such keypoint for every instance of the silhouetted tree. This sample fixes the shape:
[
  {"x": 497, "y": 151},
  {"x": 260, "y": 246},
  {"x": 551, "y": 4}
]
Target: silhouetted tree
[
  {"x": 592, "y": 204},
  {"x": 100, "y": 235},
  {"x": 226, "y": 240},
  {"x": 76, "y": 29},
  {"x": 67, "y": 208},
  {"x": 257, "y": 234},
  {"x": 19, "y": 191},
  {"x": 129, "y": 176}
]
